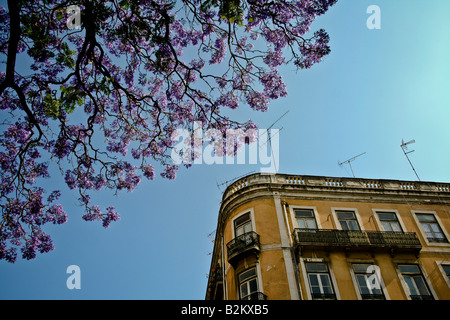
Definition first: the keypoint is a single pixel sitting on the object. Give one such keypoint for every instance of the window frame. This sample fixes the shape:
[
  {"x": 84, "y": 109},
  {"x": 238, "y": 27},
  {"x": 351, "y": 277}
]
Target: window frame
[
  {"x": 330, "y": 273},
  {"x": 441, "y": 265},
  {"x": 379, "y": 223},
  {"x": 247, "y": 282},
  {"x": 422, "y": 230},
  {"x": 239, "y": 215},
  {"x": 348, "y": 222},
  {"x": 295, "y": 225},
  {"x": 246, "y": 223},
  {"x": 337, "y": 223},
  {"x": 423, "y": 274},
  {"x": 354, "y": 274},
  {"x": 258, "y": 276}
]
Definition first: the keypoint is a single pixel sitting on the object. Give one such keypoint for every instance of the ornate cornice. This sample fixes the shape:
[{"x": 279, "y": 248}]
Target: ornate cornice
[{"x": 261, "y": 186}]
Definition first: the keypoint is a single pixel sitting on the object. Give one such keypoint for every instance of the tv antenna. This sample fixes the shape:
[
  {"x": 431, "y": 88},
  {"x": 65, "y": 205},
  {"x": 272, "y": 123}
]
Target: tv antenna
[
  {"x": 269, "y": 138},
  {"x": 404, "y": 146},
  {"x": 227, "y": 183},
  {"x": 212, "y": 235},
  {"x": 349, "y": 161}
]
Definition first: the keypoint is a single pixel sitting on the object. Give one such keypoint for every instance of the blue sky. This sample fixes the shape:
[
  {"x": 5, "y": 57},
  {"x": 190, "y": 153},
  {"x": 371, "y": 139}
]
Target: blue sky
[{"x": 376, "y": 88}]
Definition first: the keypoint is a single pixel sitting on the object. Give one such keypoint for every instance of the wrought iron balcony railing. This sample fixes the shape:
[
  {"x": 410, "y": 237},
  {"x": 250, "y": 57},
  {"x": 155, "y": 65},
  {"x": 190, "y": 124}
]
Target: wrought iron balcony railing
[
  {"x": 398, "y": 239},
  {"x": 351, "y": 240},
  {"x": 372, "y": 296},
  {"x": 421, "y": 297},
  {"x": 242, "y": 245},
  {"x": 255, "y": 296},
  {"x": 323, "y": 296}
]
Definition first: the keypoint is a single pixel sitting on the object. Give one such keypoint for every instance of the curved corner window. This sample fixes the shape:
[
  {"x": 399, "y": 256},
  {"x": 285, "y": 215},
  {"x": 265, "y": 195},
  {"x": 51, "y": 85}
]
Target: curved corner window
[
  {"x": 248, "y": 283},
  {"x": 242, "y": 225}
]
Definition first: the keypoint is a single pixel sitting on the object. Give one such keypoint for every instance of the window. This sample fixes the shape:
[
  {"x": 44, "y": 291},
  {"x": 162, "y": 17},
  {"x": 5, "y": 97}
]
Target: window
[
  {"x": 305, "y": 218},
  {"x": 319, "y": 281},
  {"x": 348, "y": 220},
  {"x": 368, "y": 280},
  {"x": 415, "y": 281},
  {"x": 242, "y": 225},
  {"x": 248, "y": 285},
  {"x": 431, "y": 227},
  {"x": 446, "y": 269},
  {"x": 389, "y": 221}
]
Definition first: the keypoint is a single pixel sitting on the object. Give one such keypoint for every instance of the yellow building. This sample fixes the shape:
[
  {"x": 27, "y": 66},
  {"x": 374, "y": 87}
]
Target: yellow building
[{"x": 286, "y": 237}]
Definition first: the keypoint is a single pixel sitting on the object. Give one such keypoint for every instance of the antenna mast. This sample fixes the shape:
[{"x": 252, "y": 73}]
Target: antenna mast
[
  {"x": 269, "y": 139},
  {"x": 349, "y": 162},
  {"x": 404, "y": 146}
]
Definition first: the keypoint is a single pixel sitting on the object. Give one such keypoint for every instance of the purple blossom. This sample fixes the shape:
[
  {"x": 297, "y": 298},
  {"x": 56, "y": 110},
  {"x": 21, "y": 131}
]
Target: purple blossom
[
  {"x": 39, "y": 241},
  {"x": 274, "y": 59},
  {"x": 229, "y": 100},
  {"x": 110, "y": 216},
  {"x": 57, "y": 214},
  {"x": 148, "y": 171},
  {"x": 219, "y": 52},
  {"x": 258, "y": 100},
  {"x": 170, "y": 172},
  {"x": 85, "y": 103},
  {"x": 273, "y": 84}
]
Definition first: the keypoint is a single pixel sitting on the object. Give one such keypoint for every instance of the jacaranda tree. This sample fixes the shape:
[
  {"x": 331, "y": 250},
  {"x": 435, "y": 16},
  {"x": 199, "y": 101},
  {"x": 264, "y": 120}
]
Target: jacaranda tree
[{"x": 96, "y": 88}]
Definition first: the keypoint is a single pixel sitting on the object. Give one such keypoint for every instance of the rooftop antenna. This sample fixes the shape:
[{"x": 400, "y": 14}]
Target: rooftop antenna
[
  {"x": 269, "y": 138},
  {"x": 404, "y": 146},
  {"x": 212, "y": 235},
  {"x": 226, "y": 183},
  {"x": 349, "y": 162}
]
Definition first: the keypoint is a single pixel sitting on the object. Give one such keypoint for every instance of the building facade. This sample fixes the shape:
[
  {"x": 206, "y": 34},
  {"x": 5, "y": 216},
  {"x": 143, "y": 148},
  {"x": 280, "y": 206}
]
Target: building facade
[{"x": 289, "y": 237}]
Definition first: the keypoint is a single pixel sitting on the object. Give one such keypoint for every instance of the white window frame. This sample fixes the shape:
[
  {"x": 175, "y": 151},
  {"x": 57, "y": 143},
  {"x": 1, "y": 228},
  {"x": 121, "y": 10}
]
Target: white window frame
[
  {"x": 292, "y": 209},
  {"x": 355, "y": 280},
  {"x": 304, "y": 261},
  {"x": 246, "y": 267},
  {"x": 338, "y": 223},
  {"x": 380, "y": 225},
  {"x": 422, "y": 231},
  {"x": 403, "y": 281},
  {"x": 440, "y": 265},
  {"x": 247, "y": 281},
  {"x": 252, "y": 218}
]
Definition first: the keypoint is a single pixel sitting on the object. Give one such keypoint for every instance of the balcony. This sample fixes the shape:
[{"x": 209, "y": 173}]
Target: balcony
[
  {"x": 372, "y": 296},
  {"x": 421, "y": 297},
  {"x": 242, "y": 246},
  {"x": 323, "y": 296},
  {"x": 255, "y": 296},
  {"x": 330, "y": 239}
]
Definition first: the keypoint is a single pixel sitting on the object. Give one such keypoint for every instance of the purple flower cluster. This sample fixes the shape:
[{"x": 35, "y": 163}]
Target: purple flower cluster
[
  {"x": 30, "y": 214},
  {"x": 39, "y": 241},
  {"x": 314, "y": 50},
  {"x": 220, "y": 50},
  {"x": 170, "y": 172},
  {"x": 94, "y": 214},
  {"x": 102, "y": 103}
]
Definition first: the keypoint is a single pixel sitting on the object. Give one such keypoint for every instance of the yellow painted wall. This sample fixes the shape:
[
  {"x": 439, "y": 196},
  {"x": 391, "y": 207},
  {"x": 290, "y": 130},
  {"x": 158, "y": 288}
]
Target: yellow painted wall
[{"x": 271, "y": 259}]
